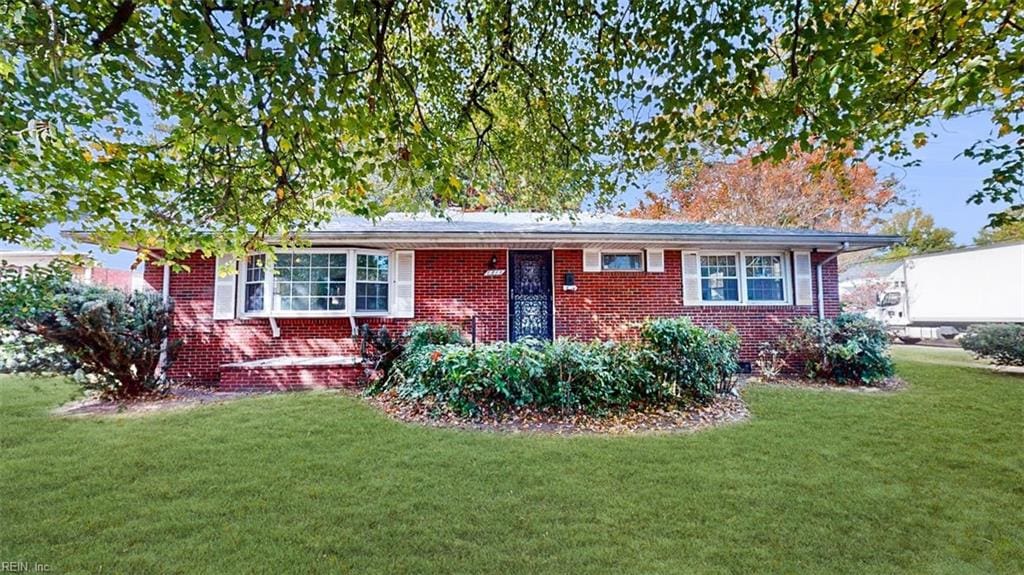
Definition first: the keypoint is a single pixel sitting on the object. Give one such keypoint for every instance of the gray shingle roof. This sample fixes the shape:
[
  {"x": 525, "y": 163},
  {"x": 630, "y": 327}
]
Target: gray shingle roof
[{"x": 541, "y": 225}]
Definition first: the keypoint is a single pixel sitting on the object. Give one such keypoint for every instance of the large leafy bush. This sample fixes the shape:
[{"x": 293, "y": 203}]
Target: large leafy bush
[
  {"x": 687, "y": 357},
  {"x": 116, "y": 338},
  {"x": 1001, "y": 343},
  {"x": 675, "y": 362},
  {"x": 850, "y": 349}
]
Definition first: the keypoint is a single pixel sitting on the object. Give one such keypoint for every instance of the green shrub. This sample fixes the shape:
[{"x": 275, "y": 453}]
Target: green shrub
[
  {"x": 383, "y": 351},
  {"x": 426, "y": 333},
  {"x": 851, "y": 348},
  {"x": 117, "y": 338},
  {"x": 1001, "y": 343},
  {"x": 687, "y": 358},
  {"x": 676, "y": 362}
]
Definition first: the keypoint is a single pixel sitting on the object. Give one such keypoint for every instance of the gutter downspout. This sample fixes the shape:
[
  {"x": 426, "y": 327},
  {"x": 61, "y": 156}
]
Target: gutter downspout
[
  {"x": 821, "y": 289},
  {"x": 165, "y": 296}
]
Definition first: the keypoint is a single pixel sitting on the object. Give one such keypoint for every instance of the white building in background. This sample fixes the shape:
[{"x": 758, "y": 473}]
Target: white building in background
[{"x": 940, "y": 294}]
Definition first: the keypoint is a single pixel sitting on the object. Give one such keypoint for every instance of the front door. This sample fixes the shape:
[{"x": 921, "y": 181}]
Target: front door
[{"x": 529, "y": 295}]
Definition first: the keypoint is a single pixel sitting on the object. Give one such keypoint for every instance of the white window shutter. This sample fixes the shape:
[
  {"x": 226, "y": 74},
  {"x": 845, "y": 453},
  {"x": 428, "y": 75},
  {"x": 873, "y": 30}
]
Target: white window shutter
[
  {"x": 224, "y": 293},
  {"x": 691, "y": 279},
  {"x": 591, "y": 260},
  {"x": 656, "y": 261},
  {"x": 802, "y": 278},
  {"x": 403, "y": 283}
]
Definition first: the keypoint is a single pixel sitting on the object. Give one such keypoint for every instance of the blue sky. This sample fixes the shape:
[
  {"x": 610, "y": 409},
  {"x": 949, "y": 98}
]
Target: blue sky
[{"x": 940, "y": 184}]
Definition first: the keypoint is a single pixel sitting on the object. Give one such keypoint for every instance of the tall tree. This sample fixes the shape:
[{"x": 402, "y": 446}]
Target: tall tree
[
  {"x": 214, "y": 124},
  {"x": 1013, "y": 231},
  {"x": 920, "y": 232},
  {"x": 807, "y": 189}
]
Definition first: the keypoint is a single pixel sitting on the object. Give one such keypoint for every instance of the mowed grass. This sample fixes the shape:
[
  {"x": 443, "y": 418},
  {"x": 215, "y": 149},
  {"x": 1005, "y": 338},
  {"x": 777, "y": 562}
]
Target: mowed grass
[{"x": 927, "y": 480}]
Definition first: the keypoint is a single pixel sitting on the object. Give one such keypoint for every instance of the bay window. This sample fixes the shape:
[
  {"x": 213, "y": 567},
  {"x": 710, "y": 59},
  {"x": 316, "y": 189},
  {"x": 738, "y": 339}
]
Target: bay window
[
  {"x": 310, "y": 281},
  {"x": 316, "y": 282}
]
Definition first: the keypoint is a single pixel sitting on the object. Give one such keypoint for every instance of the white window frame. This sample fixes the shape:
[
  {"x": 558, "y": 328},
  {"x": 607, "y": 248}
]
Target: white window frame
[
  {"x": 243, "y": 276},
  {"x": 787, "y": 291},
  {"x": 643, "y": 260},
  {"x": 270, "y": 295},
  {"x": 739, "y": 278},
  {"x": 352, "y": 267},
  {"x": 741, "y": 271}
]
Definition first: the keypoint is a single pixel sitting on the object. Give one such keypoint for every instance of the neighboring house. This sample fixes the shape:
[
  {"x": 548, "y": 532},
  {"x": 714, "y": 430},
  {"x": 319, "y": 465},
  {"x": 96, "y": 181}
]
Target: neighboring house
[
  {"x": 293, "y": 322},
  {"x": 83, "y": 267},
  {"x": 22, "y": 260},
  {"x": 931, "y": 295}
]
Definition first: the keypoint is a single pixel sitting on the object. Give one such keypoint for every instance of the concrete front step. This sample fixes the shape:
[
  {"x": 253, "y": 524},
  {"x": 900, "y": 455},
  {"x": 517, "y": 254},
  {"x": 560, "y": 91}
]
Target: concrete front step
[{"x": 291, "y": 373}]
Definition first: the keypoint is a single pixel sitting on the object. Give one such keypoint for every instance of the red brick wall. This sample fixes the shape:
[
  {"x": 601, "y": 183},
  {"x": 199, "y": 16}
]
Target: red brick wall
[
  {"x": 611, "y": 305},
  {"x": 289, "y": 378},
  {"x": 450, "y": 287}
]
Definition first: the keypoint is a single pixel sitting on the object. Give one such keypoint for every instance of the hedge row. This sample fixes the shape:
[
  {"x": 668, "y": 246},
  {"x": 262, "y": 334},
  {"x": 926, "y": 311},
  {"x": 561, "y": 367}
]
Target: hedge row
[{"x": 674, "y": 362}]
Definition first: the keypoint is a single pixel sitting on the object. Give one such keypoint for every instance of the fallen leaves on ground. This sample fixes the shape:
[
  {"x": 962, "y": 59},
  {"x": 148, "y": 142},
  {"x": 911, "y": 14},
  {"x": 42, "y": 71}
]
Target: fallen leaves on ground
[
  {"x": 722, "y": 410},
  {"x": 885, "y": 385}
]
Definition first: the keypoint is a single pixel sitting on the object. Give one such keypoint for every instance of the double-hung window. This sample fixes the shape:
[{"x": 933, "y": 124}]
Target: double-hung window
[
  {"x": 719, "y": 278},
  {"x": 744, "y": 278},
  {"x": 766, "y": 281},
  {"x": 371, "y": 283},
  {"x": 255, "y": 284}
]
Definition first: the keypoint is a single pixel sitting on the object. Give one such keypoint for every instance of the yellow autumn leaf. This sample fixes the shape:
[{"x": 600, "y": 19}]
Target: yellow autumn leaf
[
  {"x": 454, "y": 183},
  {"x": 280, "y": 193},
  {"x": 877, "y": 49},
  {"x": 278, "y": 170}
]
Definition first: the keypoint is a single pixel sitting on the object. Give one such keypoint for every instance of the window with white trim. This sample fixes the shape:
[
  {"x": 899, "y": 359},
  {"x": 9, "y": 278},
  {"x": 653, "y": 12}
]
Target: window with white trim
[
  {"x": 766, "y": 281},
  {"x": 622, "y": 261},
  {"x": 310, "y": 281},
  {"x": 255, "y": 283},
  {"x": 371, "y": 282},
  {"x": 754, "y": 278},
  {"x": 316, "y": 282},
  {"x": 719, "y": 278}
]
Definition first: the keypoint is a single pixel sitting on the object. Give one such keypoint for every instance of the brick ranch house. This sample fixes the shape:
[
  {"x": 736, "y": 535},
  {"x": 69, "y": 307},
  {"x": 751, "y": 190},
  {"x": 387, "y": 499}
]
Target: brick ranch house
[{"x": 293, "y": 321}]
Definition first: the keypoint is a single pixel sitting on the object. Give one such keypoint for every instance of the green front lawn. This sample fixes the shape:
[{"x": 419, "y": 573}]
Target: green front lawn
[{"x": 926, "y": 480}]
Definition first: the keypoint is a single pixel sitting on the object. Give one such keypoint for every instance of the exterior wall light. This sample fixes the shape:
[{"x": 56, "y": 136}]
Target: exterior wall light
[
  {"x": 492, "y": 270},
  {"x": 569, "y": 283}
]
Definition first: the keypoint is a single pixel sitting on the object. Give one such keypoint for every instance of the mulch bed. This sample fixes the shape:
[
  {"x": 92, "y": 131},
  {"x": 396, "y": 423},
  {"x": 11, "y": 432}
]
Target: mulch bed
[
  {"x": 175, "y": 398},
  {"x": 886, "y": 385},
  {"x": 725, "y": 409}
]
